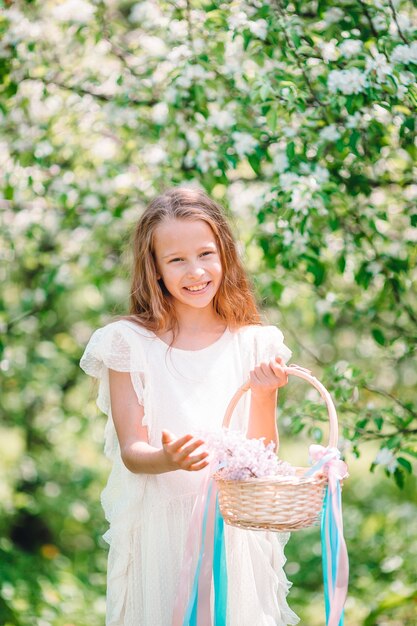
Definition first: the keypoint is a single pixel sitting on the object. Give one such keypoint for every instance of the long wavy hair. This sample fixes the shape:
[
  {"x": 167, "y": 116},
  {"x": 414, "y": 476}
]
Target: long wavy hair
[{"x": 150, "y": 303}]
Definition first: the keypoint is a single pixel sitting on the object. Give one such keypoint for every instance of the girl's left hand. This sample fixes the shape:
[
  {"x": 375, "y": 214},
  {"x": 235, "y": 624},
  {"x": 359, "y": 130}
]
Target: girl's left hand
[{"x": 268, "y": 376}]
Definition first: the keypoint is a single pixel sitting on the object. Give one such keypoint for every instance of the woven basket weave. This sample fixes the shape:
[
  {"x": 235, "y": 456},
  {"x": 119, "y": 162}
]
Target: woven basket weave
[{"x": 278, "y": 503}]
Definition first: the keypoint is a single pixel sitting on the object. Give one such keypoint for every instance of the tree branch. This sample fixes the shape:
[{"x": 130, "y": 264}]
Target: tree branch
[
  {"x": 84, "y": 91},
  {"x": 281, "y": 16},
  {"x": 369, "y": 18},
  {"x": 394, "y": 14}
]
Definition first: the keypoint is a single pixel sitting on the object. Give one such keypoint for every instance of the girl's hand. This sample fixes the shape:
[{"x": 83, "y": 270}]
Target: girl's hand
[
  {"x": 178, "y": 452},
  {"x": 268, "y": 376}
]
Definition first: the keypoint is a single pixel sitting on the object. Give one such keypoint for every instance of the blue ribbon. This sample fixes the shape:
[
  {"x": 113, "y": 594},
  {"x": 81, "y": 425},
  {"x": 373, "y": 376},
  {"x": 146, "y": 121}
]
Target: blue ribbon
[
  {"x": 219, "y": 568},
  {"x": 330, "y": 543}
]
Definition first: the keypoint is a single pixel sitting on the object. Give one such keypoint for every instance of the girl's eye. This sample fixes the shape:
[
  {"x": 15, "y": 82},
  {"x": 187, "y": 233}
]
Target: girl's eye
[
  {"x": 207, "y": 252},
  {"x": 173, "y": 260}
]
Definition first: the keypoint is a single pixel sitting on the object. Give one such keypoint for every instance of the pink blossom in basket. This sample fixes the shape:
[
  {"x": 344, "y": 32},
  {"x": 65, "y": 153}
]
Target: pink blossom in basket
[{"x": 240, "y": 458}]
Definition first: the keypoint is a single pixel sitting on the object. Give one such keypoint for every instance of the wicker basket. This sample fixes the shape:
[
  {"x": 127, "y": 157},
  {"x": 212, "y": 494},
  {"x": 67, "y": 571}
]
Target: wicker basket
[{"x": 278, "y": 503}]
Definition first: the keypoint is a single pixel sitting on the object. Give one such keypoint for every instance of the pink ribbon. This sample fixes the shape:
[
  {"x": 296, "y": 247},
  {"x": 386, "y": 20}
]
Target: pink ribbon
[
  {"x": 328, "y": 461},
  {"x": 205, "y": 580},
  {"x": 194, "y": 540}
]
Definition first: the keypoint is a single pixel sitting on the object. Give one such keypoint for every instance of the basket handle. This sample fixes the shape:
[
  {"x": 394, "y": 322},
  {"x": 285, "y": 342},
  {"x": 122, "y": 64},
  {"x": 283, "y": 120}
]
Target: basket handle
[{"x": 300, "y": 372}]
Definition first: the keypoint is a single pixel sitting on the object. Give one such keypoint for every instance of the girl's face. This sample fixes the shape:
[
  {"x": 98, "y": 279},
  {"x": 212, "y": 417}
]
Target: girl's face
[{"x": 188, "y": 261}]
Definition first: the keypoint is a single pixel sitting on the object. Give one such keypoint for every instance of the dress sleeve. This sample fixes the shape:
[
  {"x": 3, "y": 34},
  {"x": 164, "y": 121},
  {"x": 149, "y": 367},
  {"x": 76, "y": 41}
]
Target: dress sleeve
[
  {"x": 118, "y": 347},
  {"x": 114, "y": 347},
  {"x": 269, "y": 342}
]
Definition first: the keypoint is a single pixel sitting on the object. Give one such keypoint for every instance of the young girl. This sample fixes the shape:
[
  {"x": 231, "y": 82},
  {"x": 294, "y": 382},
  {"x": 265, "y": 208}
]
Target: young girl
[{"x": 167, "y": 371}]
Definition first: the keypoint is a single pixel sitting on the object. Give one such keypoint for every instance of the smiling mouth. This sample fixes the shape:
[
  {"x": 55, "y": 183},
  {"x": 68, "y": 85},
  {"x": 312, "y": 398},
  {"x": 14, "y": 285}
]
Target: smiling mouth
[{"x": 197, "y": 288}]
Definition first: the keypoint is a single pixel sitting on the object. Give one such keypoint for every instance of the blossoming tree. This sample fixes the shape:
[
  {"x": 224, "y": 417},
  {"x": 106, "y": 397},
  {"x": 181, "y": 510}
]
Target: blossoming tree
[{"x": 298, "y": 116}]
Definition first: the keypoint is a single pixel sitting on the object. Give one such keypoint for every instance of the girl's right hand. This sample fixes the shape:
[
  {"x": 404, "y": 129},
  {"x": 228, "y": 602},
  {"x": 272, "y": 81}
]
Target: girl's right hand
[{"x": 179, "y": 455}]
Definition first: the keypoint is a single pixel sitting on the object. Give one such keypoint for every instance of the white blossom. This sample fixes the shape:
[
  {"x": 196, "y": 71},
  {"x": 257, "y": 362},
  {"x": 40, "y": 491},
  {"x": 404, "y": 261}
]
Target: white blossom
[
  {"x": 20, "y": 28},
  {"x": 287, "y": 131},
  {"x": 221, "y": 119},
  {"x": 78, "y": 11},
  {"x": 179, "y": 53},
  {"x": 350, "y": 47},
  {"x": 206, "y": 160},
  {"x": 91, "y": 201},
  {"x": 237, "y": 20},
  {"x": 404, "y": 23},
  {"x": 353, "y": 121},
  {"x": 126, "y": 181},
  {"x": 147, "y": 14},
  {"x": 298, "y": 244},
  {"x": 156, "y": 155},
  {"x": 43, "y": 149},
  {"x": 300, "y": 200},
  {"x": 328, "y": 50},
  {"x": 104, "y": 148},
  {"x": 288, "y": 180},
  {"x": 379, "y": 21},
  {"x": 406, "y": 78},
  {"x": 386, "y": 458},
  {"x": 193, "y": 138},
  {"x": 405, "y": 54},
  {"x": 178, "y": 29},
  {"x": 321, "y": 174},
  {"x": 333, "y": 15},
  {"x": 160, "y": 112},
  {"x": 259, "y": 28},
  {"x": 192, "y": 73},
  {"x": 154, "y": 46},
  {"x": 379, "y": 64},
  {"x": 347, "y": 81},
  {"x": 244, "y": 143},
  {"x": 280, "y": 161},
  {"x": 330, "y": 133}
]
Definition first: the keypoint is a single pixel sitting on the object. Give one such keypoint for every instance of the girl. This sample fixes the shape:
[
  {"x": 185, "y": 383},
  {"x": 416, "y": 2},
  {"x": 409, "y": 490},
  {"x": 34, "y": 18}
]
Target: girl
[{"x": 167, "y": 371}]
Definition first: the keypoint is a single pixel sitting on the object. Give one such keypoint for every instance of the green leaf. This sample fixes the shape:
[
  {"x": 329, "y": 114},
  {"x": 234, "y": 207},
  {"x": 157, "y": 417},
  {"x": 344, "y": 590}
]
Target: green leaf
[
  {"x": 316, "y": 434},
  {"x": 264, "y": 91},
  {"x": 295, "y": 38},
  {"x": 297, "y": 426},
  {"x": 353, "y": 140},
  {"x": 8, "y": 192},
  {"x": 406, "y": 464},
  {"x": 379, "y": 421},
  {"x": 271, "y": 118},
  {"x": 393, "y": 442},
  {"x": 277, "y": 289},
  {"x": 254, "y": 162},
  {"x": 399, "y": 477},
  {"x": 290, "y": 150},
  {"x": 341, "y": 263},
  {"x": 379, "y": 336},
  {"x": 411, "y": 451}
]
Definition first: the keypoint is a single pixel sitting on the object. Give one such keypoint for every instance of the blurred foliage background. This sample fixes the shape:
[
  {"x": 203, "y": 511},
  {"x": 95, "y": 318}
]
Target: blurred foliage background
[{"x": 299, "y": 117}]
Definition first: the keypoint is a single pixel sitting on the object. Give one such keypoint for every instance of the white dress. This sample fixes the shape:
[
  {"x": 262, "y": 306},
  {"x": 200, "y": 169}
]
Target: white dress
[{"x": 183, "y": 391}]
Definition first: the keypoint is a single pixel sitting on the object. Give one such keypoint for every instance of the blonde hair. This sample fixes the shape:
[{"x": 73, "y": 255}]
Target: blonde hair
[{"x": 150, "y": 302}]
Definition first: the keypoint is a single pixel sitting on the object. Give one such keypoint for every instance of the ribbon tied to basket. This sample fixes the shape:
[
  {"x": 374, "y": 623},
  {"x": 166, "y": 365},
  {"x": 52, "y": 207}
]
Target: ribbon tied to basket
[
  {"x": 205, "y": 554},
  {"x": 334, "y": 551}
]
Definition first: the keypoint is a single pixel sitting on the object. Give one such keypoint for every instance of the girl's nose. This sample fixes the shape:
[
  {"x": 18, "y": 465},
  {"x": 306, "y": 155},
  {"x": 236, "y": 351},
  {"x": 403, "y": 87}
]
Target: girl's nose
[{"x": 195, "y": 270}]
